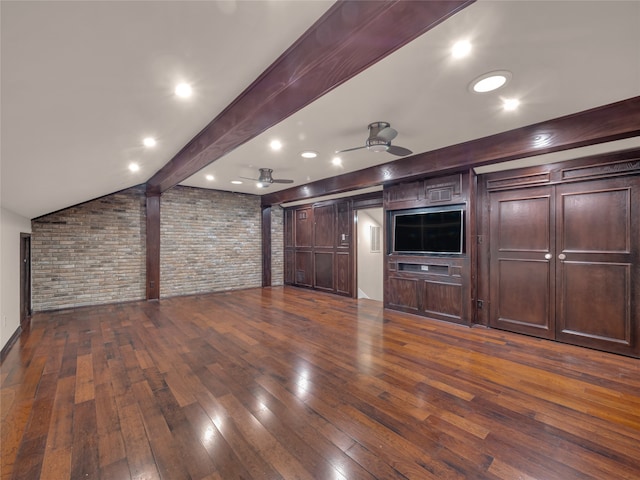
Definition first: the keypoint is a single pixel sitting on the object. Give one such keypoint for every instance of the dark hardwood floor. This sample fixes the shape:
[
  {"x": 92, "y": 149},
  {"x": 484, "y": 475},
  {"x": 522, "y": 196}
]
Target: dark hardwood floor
[{"x": 284, "y": 383}]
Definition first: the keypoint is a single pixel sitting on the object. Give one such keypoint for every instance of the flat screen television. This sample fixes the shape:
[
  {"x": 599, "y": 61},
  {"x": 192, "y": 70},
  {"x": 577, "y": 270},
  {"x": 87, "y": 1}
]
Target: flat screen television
[{"x": 427, "y": 231}]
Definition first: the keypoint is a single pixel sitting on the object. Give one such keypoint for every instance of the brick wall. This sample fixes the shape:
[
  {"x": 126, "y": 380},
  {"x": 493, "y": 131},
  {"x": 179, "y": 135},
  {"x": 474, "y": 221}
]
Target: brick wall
[
  {"x": 94, "y": 253},
  {"x": 210, "y": 241},
  {"x": 277, "y": 245},
  {"x": 90, "y": 254}
]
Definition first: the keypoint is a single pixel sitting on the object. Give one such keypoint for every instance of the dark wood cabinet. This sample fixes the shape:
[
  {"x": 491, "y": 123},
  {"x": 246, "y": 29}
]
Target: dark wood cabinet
[
  {"x": 318, "y": 247},
  {"x": 344, "y": 273},
  {"x": 430, "y": 286},
  {"x": 521, "y": 236},
  {"x": 324, "y": 223},
  {"x": 597, "y": 270},
  {"x": 564, "y": 258},
  {"x": 323, "y": 269},
  {"x": 435, "y": 286},
  {"x": 303, "y": 228},
  {"x": 303, "y": 268},
  {"x": 450, "y": 189}
]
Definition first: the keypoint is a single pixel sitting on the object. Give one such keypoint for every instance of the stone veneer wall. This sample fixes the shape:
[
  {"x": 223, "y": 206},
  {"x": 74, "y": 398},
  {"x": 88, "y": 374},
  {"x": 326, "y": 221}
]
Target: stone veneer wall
[
  {"x": 277, "y": 245},
  {"x": 90, "y": 254},
  {"x": 209, "y": 241}
]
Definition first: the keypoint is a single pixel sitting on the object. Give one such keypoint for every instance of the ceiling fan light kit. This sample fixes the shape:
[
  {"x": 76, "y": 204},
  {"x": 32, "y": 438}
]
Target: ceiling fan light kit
[{"x": 377, "y": 145}]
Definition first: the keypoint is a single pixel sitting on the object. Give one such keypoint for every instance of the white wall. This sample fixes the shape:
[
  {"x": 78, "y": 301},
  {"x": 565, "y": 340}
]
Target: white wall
[
  {"x": 11, "y": 225},
  {"x": 370, "y": 274}
]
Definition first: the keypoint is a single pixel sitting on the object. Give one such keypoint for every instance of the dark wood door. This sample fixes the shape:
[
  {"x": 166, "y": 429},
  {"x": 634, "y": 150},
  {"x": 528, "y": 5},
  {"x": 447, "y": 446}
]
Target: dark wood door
[
  {"x": 522, "y": 281},
  {"x": 318, "y": 248},
  {"x": 597, "y": 263},
  {"x": 25, "y": 279},
  {"x": 565, "y": 263}
]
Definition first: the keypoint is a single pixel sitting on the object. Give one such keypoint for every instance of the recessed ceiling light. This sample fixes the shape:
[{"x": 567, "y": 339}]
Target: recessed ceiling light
[
  {"x": 183, "y": 90},
  {"x": 259, "y": 185},
  {"x": 209, "y": 177},
  {"x": 461, "y": 49},
  {"x": 134, "y": 167},
  {"x": 490, "y": 81},
  {"x": 236, "y": 182},
  {"x": 542, "y": 140},
  {"x": 336, "y": 161},
  {"x": 309, "y": 154},
  {"x": 510, "y": 104},
  {"x": 149, "y": 142},
  {"x": 275, "y": 145}
]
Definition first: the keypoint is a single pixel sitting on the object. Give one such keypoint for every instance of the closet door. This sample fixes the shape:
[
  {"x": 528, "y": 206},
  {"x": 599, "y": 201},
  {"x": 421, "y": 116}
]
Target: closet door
[
  {"x": 522, "y": 261},
  {"x": 597, "y": 263}
]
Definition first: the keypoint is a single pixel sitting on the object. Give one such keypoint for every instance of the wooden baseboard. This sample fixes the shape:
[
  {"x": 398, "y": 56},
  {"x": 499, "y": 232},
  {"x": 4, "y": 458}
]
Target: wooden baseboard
[{"x": 9, "y": 344}]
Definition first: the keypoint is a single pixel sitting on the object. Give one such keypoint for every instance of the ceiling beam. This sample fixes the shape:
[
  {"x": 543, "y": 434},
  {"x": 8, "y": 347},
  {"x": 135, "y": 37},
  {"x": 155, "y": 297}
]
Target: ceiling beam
[
  {"x": 607, "y": 123},
  {"x": 350, "y": 37}
]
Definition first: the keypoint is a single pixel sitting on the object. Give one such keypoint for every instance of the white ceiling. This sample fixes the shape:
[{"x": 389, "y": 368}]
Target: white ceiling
[{"x": 84, "y": 82}]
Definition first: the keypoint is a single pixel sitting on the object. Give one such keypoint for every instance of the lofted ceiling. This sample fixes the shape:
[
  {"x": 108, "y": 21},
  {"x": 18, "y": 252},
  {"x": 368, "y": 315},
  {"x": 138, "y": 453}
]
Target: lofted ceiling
[{"x": 84, "y": 82}]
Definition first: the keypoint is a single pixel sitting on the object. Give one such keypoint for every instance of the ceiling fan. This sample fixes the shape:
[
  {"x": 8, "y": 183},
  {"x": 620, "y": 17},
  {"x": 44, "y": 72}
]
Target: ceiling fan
[
  {"x": 265, "y": 179},
  {"x": 380, "y": 136}
]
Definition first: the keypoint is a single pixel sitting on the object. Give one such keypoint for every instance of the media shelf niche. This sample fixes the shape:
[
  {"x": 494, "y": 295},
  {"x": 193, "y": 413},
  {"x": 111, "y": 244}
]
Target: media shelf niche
[{"x": 427, "y": 267}]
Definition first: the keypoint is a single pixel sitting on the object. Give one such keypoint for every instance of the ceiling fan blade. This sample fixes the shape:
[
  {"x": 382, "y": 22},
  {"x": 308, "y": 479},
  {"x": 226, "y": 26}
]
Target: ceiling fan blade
[
  {"x": 247, "y": 178},
  {"x": 400, "y": 151},
  {"x": 351, "y": 149},
  {"x": 387, "y": 134},
  {"x": 281, "y": 180}
]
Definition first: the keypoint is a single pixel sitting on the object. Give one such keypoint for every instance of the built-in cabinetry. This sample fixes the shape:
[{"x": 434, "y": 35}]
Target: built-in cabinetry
[
  {"x": 318, "y": 246},
  {"x": 562, "y": 256},
  {"x": 551, "y": 251},
  {"x": 433, "y": 285}
]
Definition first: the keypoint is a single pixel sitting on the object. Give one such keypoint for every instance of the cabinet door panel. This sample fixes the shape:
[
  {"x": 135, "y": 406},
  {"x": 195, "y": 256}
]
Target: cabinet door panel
[
  {"x": 442, "y": 300},
  {"x": 304, "y": 269},
  {"x": 403, "y": 192},
  {"x": 598, "y": 274},
  {"x": 524, "y": 303},
  {"x": 289, "y": 267},
  {"x": 523, "y": 224},
  {"x": 323, "y": 271},
  {"x": 303, "y": 227},
  {"x": 325, "y": 220},
  {"x": 403, "y": 293},
  {"x": 595, "y": 305},
  {"x": 521, "y": 280},
  {"x": 343, "y": 269},
  {"x": 597, "y": 221}
]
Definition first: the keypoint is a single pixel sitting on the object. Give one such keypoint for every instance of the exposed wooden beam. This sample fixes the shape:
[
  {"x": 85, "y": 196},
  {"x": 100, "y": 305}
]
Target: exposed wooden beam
[
  {"x": 602, "y": 124},
  {"x": 351, "y": 36}
]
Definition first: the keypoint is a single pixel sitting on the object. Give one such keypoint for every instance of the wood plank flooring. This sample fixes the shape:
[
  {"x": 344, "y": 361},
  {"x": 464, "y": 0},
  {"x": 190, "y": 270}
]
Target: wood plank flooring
[{"x": 284, "y": 383}]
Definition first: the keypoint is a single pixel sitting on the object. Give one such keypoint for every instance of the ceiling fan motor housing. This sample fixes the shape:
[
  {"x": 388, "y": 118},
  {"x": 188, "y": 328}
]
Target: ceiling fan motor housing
[
  {"x": 265, "y": 175},
  {"x": 376, "y": 127}
]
